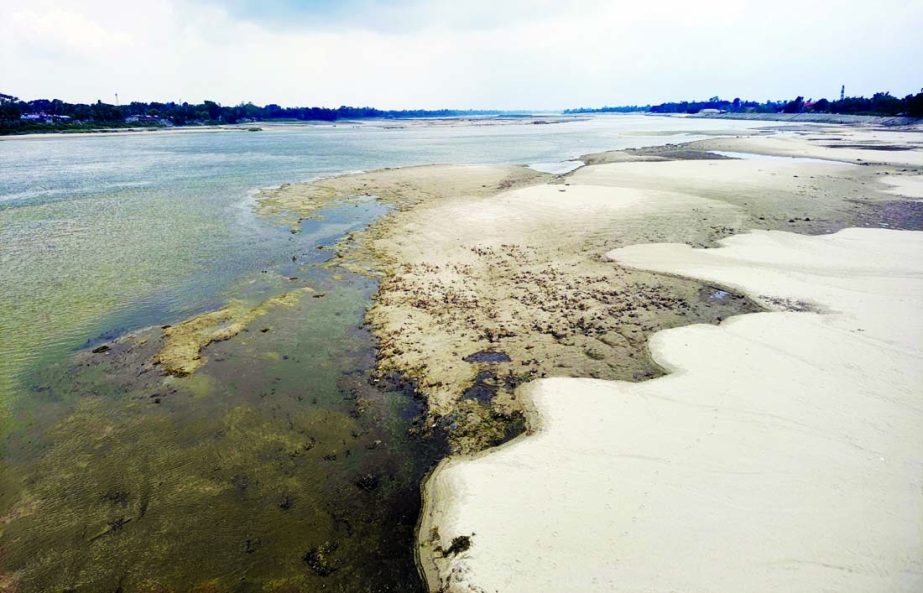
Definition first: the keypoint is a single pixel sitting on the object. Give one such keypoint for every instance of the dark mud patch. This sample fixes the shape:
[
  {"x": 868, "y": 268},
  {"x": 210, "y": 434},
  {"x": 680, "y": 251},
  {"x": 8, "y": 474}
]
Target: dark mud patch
[
  {"x": 477, "y": 425},
  {"x": 678, "y": 153},
  {"x": 458, "y": 545},
  {"x": 882, "y": 147},
  {"x": 791, "y": 305},
  {"x": 669, "y": 152},
  {"x": 904, "y": 215},
  {"x": 488, "y": 356},
  {"x": 715, "y": 295},
  {"x": 484, "y": 387}
]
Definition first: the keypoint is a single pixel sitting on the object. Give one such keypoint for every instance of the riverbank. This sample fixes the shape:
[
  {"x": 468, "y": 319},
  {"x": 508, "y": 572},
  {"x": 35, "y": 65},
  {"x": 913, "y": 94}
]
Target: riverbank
[
  {"x": 574, "y": 505},
  {"x": 820, "y": 118}
]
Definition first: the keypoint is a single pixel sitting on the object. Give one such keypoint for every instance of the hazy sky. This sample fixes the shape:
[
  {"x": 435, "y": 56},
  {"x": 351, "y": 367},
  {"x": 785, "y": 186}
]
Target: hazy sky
[{"x": 537, "y": 54}]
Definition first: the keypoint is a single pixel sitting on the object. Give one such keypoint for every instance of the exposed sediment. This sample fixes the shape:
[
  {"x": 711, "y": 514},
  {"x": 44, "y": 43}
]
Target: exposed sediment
[
  {"x": 781, "y": 452},
  {"x": 402, "y": 188},
  {"x": 181, "y": 353},
  {"x": 508, "y": 261},
  {"x": 472, "y": 262},
  {"x": 630, "y": 476}
]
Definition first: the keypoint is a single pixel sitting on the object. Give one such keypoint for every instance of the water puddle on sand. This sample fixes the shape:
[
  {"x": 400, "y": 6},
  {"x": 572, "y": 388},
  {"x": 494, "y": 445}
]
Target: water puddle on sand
[
  {"x": 279, "y": 465},
  {"x": 557, "y": 167}
]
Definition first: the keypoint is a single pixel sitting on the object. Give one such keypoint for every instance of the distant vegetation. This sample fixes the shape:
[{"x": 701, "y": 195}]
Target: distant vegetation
[
  {"x": 54, "y": 115},
  {"x": 20, "y": 117},
  {"x": 879, "y": 104},
  {"x": 618, "y": 109}
]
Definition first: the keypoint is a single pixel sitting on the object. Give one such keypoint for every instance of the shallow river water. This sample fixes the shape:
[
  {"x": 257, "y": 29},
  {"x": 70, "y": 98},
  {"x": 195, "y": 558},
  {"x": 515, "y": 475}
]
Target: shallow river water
[{"x": 279, "y": 465}]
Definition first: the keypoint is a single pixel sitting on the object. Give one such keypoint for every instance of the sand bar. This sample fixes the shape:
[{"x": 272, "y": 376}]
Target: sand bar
[
  {"x": 782, "y": 453},
  {"x": 497, "y": 300},
  {"x": 493, "y": 276}
]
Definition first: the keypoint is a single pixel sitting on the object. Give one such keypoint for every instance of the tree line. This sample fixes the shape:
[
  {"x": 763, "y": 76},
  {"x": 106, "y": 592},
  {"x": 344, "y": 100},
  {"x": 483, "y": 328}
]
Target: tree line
[
  {"x": 17, "y": 116},
  {"x": 882, "y": 104}
]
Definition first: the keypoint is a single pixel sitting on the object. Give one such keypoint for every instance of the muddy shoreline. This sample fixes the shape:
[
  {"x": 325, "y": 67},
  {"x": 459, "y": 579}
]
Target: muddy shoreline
[{"x": 453, "y": 291}]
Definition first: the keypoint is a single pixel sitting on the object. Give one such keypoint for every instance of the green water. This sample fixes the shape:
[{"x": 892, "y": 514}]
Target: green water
[{"x": 249, "y": 475}]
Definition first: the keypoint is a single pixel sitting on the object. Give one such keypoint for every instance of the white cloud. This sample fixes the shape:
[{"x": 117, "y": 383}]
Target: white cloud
[
  {"x": 479, "y": 53},
  {"x": 59, "y": 30}
]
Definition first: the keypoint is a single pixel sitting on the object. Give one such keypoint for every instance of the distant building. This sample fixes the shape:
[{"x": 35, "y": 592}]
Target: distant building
[
  {"x": 711, "y": 111},
  {"x": 148, "y": 119},
  {"x": 43, "y": 117}
]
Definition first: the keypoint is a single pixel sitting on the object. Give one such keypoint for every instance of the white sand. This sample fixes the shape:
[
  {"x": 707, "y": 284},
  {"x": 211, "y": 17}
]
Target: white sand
[
  {"x": 718, "y": 178},
  {"x": 850, "y": 144},
  {"x": 783, "y": 453},
  {"x": 537, "y": 215},
  {"x": 905, "y": 185}
]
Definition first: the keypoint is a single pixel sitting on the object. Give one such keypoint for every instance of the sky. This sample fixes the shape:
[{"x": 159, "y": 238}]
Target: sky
[{"x": 502, "y": 54}]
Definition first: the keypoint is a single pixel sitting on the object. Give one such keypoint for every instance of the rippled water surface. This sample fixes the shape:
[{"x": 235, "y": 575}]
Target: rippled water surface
[{"x": 278, "y": 466}]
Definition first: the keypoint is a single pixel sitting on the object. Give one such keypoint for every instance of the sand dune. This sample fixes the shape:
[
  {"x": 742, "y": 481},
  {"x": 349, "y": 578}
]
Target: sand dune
[{"x": 782, "y": 453}]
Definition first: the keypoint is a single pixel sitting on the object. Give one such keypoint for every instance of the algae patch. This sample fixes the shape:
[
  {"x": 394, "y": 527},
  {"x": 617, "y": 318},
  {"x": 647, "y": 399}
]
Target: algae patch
[
  {"x": 289, "y": 473},
  {"x": 181, "y": 353}
]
